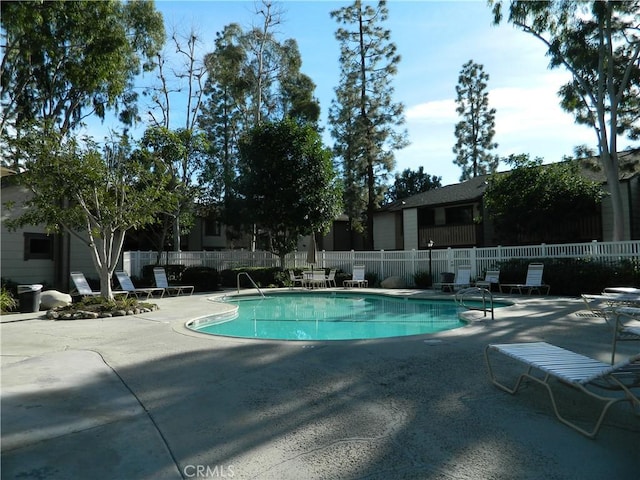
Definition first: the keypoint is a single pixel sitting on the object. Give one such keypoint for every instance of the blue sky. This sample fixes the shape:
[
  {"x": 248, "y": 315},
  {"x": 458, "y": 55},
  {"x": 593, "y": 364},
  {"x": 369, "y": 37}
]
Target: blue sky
[{"x": 434, "y": 39}]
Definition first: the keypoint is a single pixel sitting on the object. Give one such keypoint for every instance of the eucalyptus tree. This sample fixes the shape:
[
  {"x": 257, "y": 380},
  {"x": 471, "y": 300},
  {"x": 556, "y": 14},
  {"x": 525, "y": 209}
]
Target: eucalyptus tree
[
  {"x": 476, "y": 129},
  {"x": 363, "y": 116},
  {"x": 96, "y": 196},
  {"x": 179, "y": 73},
  {"x": 598, "y": 42},
  {"x": 65, "y": 61},
  {"x": 288, "y": 182},
  {"x": 252, "y": 78}
]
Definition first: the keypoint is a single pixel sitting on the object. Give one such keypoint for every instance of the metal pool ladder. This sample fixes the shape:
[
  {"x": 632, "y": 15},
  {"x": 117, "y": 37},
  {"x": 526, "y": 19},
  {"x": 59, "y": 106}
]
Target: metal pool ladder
[
  {"x": 251, "y": 280},
  {"x": 475, "y": 291}
]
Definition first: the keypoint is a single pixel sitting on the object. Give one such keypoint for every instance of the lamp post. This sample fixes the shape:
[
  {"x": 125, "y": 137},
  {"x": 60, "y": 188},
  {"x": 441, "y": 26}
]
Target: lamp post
[{"x": 430, "y": 246}]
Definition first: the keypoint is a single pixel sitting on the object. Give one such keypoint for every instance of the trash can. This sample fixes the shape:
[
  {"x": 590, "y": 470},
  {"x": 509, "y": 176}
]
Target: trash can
[
  {"x": 447, "y": 277},
  {"x": 29, "y": 296}
]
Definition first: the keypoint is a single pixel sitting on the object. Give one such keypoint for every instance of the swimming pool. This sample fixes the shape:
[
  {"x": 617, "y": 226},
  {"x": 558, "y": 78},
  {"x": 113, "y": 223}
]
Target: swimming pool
[{"x": 330, "y": 316}]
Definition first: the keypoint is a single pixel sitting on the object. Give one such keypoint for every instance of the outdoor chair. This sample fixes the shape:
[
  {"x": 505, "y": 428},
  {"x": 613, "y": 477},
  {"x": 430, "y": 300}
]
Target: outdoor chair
[
  {"x": 623, "y": 331},
  {"x": 162, "y": 282},
  {"x": 83, "y": 289},
  {"x": 492, "y": 277},
  {"x": 331, "y": 278},
  {"x": 461, "y": 280},
  {"x": 532, "y": 283},
  {"x": 357, "y": 278},
  {"x": 127, "y": 285},
  {"x": 552, "y": 366},
  {"x": 316, "y": 278},
  {"x": 296, "y": 280},
  {"x": 605, "y": 304}
]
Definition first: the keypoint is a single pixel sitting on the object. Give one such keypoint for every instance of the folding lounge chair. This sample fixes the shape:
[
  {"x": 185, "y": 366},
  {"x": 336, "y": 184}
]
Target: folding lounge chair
[
  {"x": 545, "y": 362},
  {"x": 127, "y": 284},
  {"x": 625, "y": 332},
  {"x": 331, "y": 278},
  {"x": 605, "y": 304},
  {"x": 532, "y": 282},
  {"x": 83, "y": 289},
  {"x": 357, "y": 278},
  {"x": 162, "y": 282},
  {"x": 461, "y": 280},
  {"x": 492, "y": 277}
]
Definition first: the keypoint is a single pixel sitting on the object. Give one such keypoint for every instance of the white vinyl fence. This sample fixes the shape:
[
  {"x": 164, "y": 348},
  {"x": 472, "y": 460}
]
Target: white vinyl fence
[{"x": 385, "y": 264}]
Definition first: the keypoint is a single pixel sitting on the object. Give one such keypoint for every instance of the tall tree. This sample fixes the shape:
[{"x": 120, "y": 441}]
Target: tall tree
[
  {"x": 288, "y": 183},
  {"x": 183, "y": 73},
  {"x": 599, "y": 44},
  {"x": 253, "y": 78},
  {"x": 93, "y": 195},
  {"x": 475, "y": 131},
  {"x": 64, "y": 61},
  {"x": 411, "y": 182},
  {"x": 364, "y": 117}
]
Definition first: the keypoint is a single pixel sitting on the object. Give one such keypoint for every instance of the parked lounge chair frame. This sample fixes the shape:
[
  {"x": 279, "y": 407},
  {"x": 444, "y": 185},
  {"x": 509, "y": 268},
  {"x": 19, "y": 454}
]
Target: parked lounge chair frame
[
  {"x": 160, "y": 277},
  {"x": 127, "y": 285},
  {"x": 82, "y": 287},
  {"x": 545, "y": 362},
  {"x": 533, "y": 282}
]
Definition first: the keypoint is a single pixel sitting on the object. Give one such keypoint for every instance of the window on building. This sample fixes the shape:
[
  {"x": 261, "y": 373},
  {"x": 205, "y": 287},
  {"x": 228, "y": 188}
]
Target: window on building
[
  {"x": 426, "y": 217},
  {"x": 212, "y": 227},
  {"x": 38, "y": 246},
  {"x": 459, "y": 215}
]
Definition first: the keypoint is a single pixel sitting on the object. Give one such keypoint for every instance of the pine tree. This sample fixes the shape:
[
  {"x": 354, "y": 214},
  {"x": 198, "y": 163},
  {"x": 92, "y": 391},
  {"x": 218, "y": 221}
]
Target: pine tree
[
  {"x": 363, "y": 117},
  {"x": 476, "y": 129}
]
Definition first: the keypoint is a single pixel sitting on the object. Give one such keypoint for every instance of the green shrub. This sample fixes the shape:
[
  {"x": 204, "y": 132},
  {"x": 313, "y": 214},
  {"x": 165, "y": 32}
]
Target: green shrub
[
  {"x": 422, "y": 279},
  {"x": 204, "y": 279},
  {"x": 8, "y": 302},
  {"x": 574, "y": 276},
  {"x": 263, "y": 277}
]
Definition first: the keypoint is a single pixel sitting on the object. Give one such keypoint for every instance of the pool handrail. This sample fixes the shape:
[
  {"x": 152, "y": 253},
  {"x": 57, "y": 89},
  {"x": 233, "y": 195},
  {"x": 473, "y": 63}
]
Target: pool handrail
[
  {"x": 251, "y": 280},
  {"x": 459, "y": 299}
]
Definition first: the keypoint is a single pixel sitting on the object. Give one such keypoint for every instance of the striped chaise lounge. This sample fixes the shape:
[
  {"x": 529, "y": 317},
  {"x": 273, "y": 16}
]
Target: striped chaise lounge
[{"x": 544, "y": 363}]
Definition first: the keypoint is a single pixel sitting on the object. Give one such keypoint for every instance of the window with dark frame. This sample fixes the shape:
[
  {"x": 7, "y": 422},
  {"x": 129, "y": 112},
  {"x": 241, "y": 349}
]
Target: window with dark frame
[
  {"x": 38, "y": 246},
  {"x": 459, "y": 215},
  {"x": 212, "y": 226}
]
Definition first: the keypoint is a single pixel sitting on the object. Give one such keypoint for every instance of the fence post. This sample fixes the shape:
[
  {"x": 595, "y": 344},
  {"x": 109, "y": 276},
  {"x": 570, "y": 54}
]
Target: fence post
[
  {"x": 450, "y": 259},
  {"x": 474, "y": 262}
]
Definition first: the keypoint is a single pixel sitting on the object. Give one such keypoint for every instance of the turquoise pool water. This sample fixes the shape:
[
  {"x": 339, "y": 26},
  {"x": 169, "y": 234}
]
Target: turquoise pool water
[{"x": 331, "y": 316}]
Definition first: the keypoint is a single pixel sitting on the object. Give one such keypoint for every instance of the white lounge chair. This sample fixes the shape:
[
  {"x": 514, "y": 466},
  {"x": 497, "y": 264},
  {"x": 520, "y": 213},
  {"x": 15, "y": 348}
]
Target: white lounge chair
[
  {"x": 127, "y": 285},
  {"x": 545, "y": 362},
  {"x": 605, "y": 304},
  {"x": 331, "y": 278},
  {"x": 492, "y": 277},
  {"x": 461, "y": 280},
  {"x": 532, "y": 283},
  {"x": 626, "y": 328},
  {"x": 357, "y": 278},
  {"x": 162, "y": 282},
  {"x": 82, "y": 288}
]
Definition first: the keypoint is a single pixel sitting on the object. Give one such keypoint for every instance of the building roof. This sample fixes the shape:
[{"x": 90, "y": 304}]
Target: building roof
[
  {"x": 472, "y": 190},
  {"x": 467, "y": 191}
]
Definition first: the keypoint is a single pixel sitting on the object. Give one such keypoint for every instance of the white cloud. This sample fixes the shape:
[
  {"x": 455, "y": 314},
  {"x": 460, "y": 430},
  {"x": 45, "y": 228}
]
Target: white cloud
[{"x": 440, "y": 111}]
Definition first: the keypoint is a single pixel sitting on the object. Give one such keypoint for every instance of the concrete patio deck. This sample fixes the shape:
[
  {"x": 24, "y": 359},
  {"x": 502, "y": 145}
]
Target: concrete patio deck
[{"x": 141, "y": 397}]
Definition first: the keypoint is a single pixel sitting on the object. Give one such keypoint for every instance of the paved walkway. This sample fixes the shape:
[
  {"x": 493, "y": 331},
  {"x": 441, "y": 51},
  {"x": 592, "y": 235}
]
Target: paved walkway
[{"x": 141, "y": 397}]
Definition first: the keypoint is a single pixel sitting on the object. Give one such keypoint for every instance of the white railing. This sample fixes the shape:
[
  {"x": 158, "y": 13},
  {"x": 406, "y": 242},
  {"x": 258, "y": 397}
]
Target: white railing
[{"x": 384, "y": 264}]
